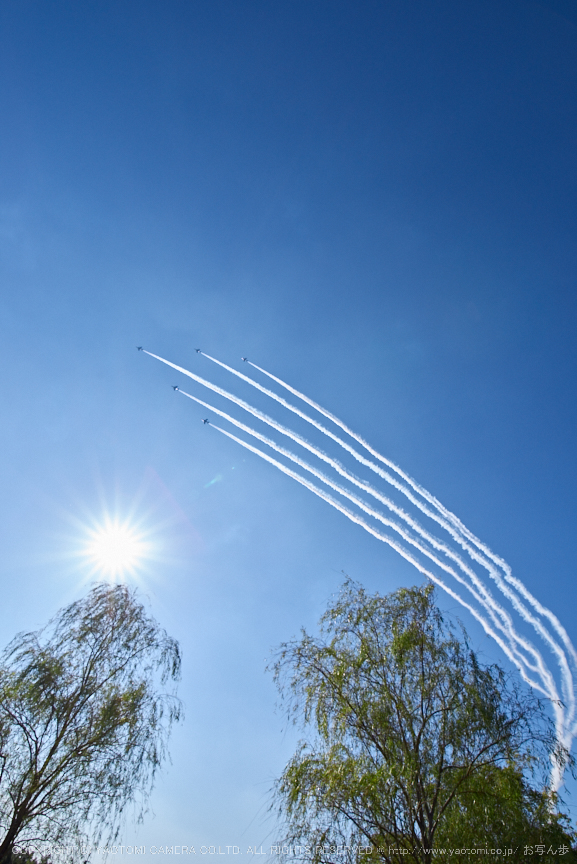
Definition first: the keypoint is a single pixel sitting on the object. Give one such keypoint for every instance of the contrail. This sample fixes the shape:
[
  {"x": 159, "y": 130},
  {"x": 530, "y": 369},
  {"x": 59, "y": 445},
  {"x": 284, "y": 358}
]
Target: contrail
[
  {"x": 438, "y": 544},
  {"x": 568, "y": 691},
  {"x": 512, "y": 580},
  {"x": 515, "y": 646},
  {"x": 452, "y": 521},
  {"x": 356, "y": 455},
  {"x": 564, "y": 736},
  {"x": 412, "y": 483},
  {"x": 542, "y": 610},
  {"x": 390, "y": 542},
  {"x": 493, "y": 608}
]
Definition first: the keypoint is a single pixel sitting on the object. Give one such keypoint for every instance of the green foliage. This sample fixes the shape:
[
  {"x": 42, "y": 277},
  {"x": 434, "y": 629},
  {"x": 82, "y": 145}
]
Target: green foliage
[
  {"x": 84, "y": 722},
  {"x": 415, "y": 746},
  {"x": 499, "y": 807}
]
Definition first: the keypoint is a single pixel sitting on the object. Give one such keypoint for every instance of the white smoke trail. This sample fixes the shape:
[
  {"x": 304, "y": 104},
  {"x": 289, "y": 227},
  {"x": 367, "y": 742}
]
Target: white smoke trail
[
  {"x": 567, "y": 678},
  {"x": 451, "y": 524},
  {"x": 356, "y": 455},
  {"x": 494, "y": 609},
  {"x": 390, "y": 542},
  {"x": 564, "y": 714},
  {"x": 520, "y": 587},
  {"x": 412, "y": 483},
  {"x": 438, "y": 544},
  {"x": 385, "y": 475},
  {"x": 564, "y": 739},
  {"x": 566, "y": 675}
]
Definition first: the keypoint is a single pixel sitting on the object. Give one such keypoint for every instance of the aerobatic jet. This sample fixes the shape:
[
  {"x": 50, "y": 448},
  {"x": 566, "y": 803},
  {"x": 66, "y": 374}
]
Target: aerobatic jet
[
  {"x": 244, "y": 358},
  {"x": 174, "y": 387},
  {"x": 140, "y": 348},
  {"x": 206, "y": 421},
  {"x": 198, "y": 350}
]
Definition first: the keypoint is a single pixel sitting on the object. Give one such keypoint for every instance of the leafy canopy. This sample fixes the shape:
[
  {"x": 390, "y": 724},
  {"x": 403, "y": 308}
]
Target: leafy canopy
[
  {"x": 85, "y": 715},
  {"x": 414, "y": 743}
]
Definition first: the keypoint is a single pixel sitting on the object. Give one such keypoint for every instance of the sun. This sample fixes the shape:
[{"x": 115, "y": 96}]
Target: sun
[{"x": 116, "y": 548}]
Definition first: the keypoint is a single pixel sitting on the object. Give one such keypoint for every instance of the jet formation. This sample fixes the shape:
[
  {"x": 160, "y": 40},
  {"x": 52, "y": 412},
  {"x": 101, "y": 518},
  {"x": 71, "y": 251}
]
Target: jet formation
[{"x": 175, "y": 386}]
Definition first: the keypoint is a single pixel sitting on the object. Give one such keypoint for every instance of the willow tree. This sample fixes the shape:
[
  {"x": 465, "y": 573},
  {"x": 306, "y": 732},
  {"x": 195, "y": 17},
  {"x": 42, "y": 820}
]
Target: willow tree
[
  {"x": 86, "y": 706},
  {"x": 413, "y": 745}
]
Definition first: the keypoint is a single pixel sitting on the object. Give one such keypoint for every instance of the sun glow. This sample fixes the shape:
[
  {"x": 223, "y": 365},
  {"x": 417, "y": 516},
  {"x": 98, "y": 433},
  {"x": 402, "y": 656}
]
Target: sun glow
[{"x": 116, "y": 549}]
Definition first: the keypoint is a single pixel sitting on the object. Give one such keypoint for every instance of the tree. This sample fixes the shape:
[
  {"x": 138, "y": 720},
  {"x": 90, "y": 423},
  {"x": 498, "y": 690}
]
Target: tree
[
  {"x": 84, "y": 723},
  {"x": 416, "y": 745}
]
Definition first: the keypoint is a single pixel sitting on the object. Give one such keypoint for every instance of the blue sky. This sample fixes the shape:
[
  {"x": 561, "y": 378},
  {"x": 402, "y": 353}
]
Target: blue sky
[{"x": 373, "y": 200}]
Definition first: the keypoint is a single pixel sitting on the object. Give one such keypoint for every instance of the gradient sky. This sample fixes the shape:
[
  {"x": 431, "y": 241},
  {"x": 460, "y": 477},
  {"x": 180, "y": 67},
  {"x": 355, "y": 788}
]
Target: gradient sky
[{"x": 375, "y": 200}]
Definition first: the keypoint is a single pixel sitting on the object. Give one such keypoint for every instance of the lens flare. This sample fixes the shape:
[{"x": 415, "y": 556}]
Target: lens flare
[{"x": 116, "y": 549}]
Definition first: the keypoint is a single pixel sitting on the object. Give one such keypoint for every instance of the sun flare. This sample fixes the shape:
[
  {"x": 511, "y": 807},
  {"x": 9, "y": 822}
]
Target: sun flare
[{"x": 116, "y": 549}]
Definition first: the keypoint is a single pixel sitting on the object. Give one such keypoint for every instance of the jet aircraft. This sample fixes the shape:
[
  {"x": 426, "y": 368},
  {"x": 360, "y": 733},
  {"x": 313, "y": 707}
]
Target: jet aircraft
[
  {"x": 140, "y": 348},
  {"x": 198, "y": 350},
  {"x": 174, "y": 387},
  {"x": 206, "y": 421},
  {"x": 244, "y": 358}
]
